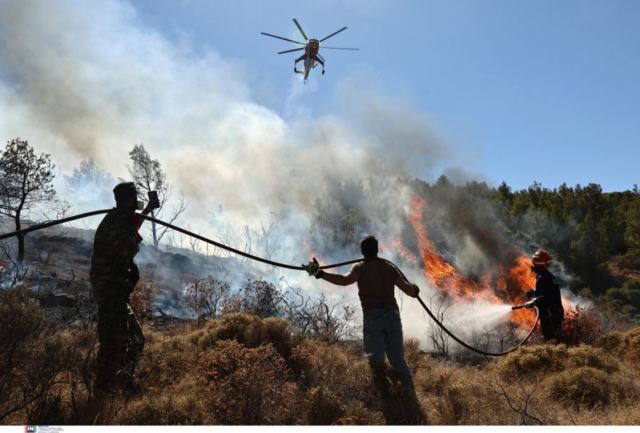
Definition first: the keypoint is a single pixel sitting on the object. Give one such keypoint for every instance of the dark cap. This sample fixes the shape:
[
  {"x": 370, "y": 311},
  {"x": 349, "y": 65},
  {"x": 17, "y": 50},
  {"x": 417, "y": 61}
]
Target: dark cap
[{"x": 124, "y": 191}]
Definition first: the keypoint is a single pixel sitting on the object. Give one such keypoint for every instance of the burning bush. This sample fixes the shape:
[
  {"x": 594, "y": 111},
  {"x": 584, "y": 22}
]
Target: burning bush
[{"x": 581, "y": 326}]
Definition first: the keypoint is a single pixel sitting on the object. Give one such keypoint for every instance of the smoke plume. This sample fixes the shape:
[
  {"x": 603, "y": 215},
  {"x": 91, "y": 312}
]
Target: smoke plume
[{"x": 86, "y": 80}]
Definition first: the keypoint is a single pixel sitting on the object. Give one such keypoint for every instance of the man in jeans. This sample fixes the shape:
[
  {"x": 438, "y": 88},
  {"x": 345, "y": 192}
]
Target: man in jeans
[{"x": 382, "y": 329}]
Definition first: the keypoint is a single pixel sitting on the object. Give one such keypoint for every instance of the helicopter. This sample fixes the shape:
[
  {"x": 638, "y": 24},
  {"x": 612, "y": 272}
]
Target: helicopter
[{"x": 311, "y": 56}]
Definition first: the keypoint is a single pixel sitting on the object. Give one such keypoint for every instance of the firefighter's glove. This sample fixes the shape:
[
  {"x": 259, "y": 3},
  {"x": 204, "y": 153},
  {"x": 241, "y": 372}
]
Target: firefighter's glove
[
  {"x": 416, "y": 290},
  {"x": 531, "y": 293},
  {"x": 313, "y": 268}
]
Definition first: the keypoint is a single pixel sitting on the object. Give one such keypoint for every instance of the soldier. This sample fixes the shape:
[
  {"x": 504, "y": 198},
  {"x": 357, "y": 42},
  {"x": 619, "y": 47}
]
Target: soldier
[
  {"x": 549, "y": 302},
  {"x": 382, "y": 328},
  {"x": 113, "y": 277}
]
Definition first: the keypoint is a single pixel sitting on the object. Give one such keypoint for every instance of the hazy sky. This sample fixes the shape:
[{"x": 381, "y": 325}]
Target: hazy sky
[{"x": 524, "y": 91}]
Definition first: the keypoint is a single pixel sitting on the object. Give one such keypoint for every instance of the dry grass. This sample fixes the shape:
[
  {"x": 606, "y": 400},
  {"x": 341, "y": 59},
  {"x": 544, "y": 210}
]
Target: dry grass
[{"x": 240, "y": 369}]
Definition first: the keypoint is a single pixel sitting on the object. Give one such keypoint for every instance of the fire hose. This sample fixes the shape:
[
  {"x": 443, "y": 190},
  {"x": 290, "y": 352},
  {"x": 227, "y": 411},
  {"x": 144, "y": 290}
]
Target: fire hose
[
  {"x": 530, "y": 304},
  {"x": 52, "y": 223},
  {"x": 47, "y": 224}
]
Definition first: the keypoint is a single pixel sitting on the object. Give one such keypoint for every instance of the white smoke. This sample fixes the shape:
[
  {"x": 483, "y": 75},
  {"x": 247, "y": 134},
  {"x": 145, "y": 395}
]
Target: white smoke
[{"x": 86, "y": 80}]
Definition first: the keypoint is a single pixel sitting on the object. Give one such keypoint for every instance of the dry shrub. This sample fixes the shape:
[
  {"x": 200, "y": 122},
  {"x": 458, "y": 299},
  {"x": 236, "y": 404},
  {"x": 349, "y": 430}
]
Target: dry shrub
[
  {"x": 171, "y": 407},
  {"x": 625, "y": 345},
  {"x": 590, "y": 387},
  {"x": 142, "y": 298},
  {"x": 45, "y": 376},
  {"x": 355, "y": 413},
  {"x": 344, "y": 373},
  {"x": 412, "y": 353},
  {"x": 165, "y": 361},
  {"x": 535, "y": 361},
  {"x": 431, "y": 376},
  {"x": 589, "y": 356},
  {"x": 452, "y": 404},
  {"x": 246, "y": 385},
  {"x": 612, "y": 343},
  {"x": 581, "y": 326},
  {"x": 448, "y": 392},
  {"x": 277, "y": 332},
  {"x": 532, "y": 361},
  {"x": 324, "y": 407},
  {"x": 205, "y": 296},
  {"x": 248, "y": 330}
]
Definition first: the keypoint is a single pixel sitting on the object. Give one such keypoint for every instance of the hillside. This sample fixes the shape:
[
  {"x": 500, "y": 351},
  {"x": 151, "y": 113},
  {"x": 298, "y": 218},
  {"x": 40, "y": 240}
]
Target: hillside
[
  {"x": 240, "y": 369},
  {"x": 235, "y": 367}
]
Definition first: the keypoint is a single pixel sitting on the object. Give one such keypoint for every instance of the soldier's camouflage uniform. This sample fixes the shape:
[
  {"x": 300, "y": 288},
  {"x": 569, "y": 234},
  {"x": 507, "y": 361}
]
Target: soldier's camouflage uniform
[{"x": 113, "y": 276}]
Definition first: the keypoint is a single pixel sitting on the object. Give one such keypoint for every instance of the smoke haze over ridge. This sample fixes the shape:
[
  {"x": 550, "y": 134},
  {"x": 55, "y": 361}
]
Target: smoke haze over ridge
[{"x": 90, "y": 80}]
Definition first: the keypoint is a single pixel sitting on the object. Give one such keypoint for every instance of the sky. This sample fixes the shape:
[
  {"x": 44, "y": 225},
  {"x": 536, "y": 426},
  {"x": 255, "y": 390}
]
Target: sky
[{"x": 521, "y": 91}]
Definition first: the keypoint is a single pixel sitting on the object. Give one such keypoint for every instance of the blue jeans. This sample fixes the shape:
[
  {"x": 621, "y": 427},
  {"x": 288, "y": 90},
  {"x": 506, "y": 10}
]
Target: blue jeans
[{"x": 382, "y": 333}]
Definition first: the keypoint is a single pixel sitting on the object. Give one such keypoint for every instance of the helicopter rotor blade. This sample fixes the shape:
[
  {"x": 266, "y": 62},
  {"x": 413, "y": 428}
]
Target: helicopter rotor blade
[
  {"x": 284, "y": 39},
  {"x": 340, "y": 48},
  {"x": 333, "y": 34},
  {"x": 291, "y": 51},
  {"x": 300, "y": 28}
]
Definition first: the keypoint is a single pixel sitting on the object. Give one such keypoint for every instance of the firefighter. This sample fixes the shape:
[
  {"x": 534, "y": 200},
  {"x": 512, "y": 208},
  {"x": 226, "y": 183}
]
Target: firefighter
[
  {"x": 382, "y": 329},
  {"x": 113, "y": 277},
  {"x": 550, "y": 303}
]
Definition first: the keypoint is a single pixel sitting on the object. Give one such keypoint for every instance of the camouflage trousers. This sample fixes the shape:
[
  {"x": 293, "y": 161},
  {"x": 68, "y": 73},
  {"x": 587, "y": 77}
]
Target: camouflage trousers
[{"x": 121, "y": 343}]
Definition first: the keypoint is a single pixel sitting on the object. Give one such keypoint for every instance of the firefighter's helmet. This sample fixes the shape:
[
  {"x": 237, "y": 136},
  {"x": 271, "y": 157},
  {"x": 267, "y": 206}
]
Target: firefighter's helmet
[{"x": 541, "y": 258}]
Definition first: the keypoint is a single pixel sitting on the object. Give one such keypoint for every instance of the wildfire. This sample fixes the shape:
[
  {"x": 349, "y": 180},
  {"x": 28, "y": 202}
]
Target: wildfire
[{"x": 498, "y": 287}]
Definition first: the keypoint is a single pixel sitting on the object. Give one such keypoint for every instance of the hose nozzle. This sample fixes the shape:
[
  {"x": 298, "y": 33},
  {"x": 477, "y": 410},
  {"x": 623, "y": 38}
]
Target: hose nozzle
[{"x": 529, "y": 304}]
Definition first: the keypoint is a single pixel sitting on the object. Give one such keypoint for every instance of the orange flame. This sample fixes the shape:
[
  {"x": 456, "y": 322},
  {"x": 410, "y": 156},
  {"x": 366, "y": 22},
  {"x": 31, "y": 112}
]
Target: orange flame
[{"x": 499, "y": 287}]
